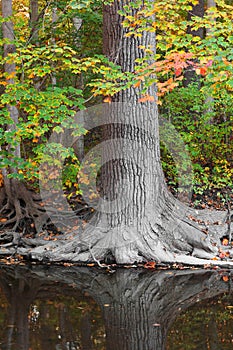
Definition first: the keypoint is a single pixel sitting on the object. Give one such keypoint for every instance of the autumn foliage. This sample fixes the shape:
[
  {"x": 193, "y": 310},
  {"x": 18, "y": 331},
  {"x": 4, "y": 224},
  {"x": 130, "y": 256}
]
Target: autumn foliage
[{"x": 83, "y": 75}]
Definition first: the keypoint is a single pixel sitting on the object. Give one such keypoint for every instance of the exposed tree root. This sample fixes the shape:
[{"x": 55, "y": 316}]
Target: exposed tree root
[
  {"x": 178, "y": 234},
  {"x": 18, "y": 206},
  {"x": 178, "y": 239}
]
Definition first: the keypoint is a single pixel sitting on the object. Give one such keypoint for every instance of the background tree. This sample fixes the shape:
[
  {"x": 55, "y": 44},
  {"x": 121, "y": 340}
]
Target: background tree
[
  {"x": 33, "y": 102},
  {"x": 13, "y": 193}
]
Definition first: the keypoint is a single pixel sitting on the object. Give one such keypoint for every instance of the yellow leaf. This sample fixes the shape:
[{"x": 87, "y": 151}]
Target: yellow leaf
[{"x": 31, "y": 75}]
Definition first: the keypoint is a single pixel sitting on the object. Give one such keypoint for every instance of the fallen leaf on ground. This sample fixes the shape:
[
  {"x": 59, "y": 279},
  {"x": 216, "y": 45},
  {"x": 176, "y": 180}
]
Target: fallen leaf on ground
[
  {"x": 225, "y": 241},
  {"x": 225, "y": 278},
  {"x": 150, "y": 265}
]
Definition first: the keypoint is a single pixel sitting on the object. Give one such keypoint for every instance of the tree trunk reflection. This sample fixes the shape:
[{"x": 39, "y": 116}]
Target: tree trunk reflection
[{"x": 138, "y": 306}]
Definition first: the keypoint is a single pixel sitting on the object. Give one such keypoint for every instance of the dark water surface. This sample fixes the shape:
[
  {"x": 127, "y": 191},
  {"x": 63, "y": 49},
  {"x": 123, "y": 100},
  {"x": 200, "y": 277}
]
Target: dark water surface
[{"x": 45, "y": 308}]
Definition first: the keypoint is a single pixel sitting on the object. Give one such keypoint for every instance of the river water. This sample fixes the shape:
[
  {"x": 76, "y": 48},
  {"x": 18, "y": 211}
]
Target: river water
[{"x": 70, "y": 308}]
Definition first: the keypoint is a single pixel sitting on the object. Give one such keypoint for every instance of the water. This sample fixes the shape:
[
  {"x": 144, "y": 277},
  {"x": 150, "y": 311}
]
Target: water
[{"x": 61, "y": 308}]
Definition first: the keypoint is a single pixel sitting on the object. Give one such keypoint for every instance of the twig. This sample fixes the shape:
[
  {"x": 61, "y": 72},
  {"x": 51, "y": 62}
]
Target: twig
[{"x": 94, "y": 258}]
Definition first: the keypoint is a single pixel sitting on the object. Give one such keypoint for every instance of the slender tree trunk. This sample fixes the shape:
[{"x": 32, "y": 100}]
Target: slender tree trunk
[
  {"x": 211, "y": 3},
  {"x": 79, "y": 144},
  {"x": 54, "y": 20},
  {"x": 34, "y": 15},
  {"x": 197, "y": 10},
  {"x": 209, "y": 99},
  {"x": 9, "y": 67}
]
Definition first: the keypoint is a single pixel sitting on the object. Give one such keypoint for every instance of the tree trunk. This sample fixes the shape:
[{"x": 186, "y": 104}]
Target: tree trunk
[
  {"x": 211, "y": 3},
  {"x": 34, "y": 16},
  {"x": 9, "y": 67},
  {"x": 53, "y": 40},
  {"x": 199, "y": 11},
  {"x": 209, "y": 99}
]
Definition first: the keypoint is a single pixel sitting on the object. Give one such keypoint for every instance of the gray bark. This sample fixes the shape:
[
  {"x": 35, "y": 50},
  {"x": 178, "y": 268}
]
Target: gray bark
[
  {"x": 211, "y": 3},
  {"x": 9, "y": 67},
  {"x": 53, "y": 40},
  {"x": 209, "y": 99},
  {"x": 124, "y": 50},
  {"x": 79, "y": 144},
  {"x": 197, "y": 10},
  {"x": 34, "y": 16}
]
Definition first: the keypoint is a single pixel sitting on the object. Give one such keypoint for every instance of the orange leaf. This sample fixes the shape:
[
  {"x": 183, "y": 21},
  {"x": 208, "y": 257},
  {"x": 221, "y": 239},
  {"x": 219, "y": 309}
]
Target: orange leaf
[
  {"x": 203, "y": 71},
  {"x": 178, "y": 72},
  {"x": 67, "y": 264},
  {"x": 3, "y": 220},
  {"x": 225, "y": 278},
  {"x": 10, "y": 76},
  {"x": 31, "y": 75},
  {"x": 137, "y": 84},
  {"x": 150, "y": 265},
  {"x": 107, "y": 99},
  {"x": 225, "y": 241},
  {"x": 146, "y": 98}
]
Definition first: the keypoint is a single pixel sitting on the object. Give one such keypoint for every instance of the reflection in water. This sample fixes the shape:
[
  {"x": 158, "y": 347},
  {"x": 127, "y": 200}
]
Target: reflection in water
[
  {"x": 61, "y": 308},
  {"x": 205, "y": 325}
]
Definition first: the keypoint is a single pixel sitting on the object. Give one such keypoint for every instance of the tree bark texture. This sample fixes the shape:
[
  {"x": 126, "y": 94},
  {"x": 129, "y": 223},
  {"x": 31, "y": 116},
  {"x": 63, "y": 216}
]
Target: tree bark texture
[{"x": 124, "y": 50}]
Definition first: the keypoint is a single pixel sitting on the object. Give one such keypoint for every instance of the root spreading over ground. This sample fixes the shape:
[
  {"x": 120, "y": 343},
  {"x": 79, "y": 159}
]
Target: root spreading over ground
[{"x": 180, "y": 234}]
